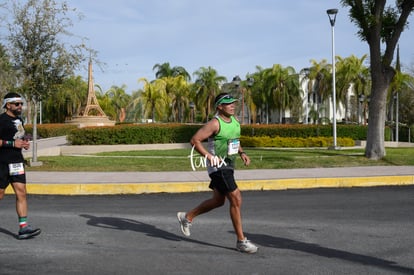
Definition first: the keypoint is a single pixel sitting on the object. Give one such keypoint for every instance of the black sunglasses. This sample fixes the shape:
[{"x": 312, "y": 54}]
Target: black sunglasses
[{"x": 17, "y": 103}]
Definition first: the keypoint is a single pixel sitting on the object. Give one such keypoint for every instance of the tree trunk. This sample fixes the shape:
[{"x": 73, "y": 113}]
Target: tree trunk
[
  {"x": 29, "y": 110},
  {"x": 371, "y": 17},
  {"x": 122, "y": 115},
  {"x": 375, "y": 148}
]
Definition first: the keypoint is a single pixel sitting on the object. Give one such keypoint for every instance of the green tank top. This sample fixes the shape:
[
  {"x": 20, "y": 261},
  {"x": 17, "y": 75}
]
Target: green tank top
[{"x": 225, "y": 144}]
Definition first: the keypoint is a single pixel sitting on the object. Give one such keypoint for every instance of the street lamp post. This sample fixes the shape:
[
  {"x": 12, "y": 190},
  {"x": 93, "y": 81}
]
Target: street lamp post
[
  {"x": 250, "y": 81},
  {"x": 192, "y": 106},
  {"x": 40, "y": 113},
  {"x": 332, "y": 18},
  {"x": 34, "y": 161},
  {"x": 396, "y": 117},
  {"x": 306, "y": 72},
  {"x": 237, "y": 82},
  {"x": 360, "y": 102},
  {"x": 366, "y": 114}
]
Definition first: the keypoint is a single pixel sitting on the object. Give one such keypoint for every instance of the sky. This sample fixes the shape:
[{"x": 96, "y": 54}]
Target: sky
[{"x": 231, "y": 36}]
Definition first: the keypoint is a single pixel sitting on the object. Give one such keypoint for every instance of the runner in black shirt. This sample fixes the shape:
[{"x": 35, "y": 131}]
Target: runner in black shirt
[{"x": 11, "y": 160}]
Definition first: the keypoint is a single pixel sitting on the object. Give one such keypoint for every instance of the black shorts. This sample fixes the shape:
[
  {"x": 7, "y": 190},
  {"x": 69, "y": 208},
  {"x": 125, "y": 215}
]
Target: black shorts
[
  {"x": 223, "y": 181},
  {"x": 6, "y": 178}
]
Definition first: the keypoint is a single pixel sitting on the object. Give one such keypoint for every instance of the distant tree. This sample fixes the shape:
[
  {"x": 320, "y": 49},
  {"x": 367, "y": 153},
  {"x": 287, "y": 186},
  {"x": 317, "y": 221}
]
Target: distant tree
[
  {"x": 43, "y": 59},
  {"x": 406, "y": 103},
  {"x": 134, "y": 109},
  {"x": 179, "y": 97},
  {"x": 247, "y": 85},
  {"x": 105, "y": 102},
  {"x": 401, "y": 82},
  {"x": 120, "y": 100},
  {"x": 66, "y": 101},
  {"x": 379, "y": 25},
  {"x": 351, "y": 73},
  {"x": 207, "y": 86},
  {"x": 258, "y": 94},
  {"x": 282, "y": 85},
  {"x": 321, "y": 78},
  {"x": 165, "y": 70},
  {"x": 7, "y": 72},
  {"x": 154, "y": 99}
]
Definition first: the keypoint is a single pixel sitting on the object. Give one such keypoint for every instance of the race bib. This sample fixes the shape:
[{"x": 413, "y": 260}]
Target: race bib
[
  {"x": 16, "y": 169},
  {"x": 233, "y": 147}
]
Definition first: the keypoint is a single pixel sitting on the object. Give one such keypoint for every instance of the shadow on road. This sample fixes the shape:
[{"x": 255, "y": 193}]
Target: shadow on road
[
  {"x": 283, "y": 243},
  {"x": 137, "y": 226},
  {"x": 7, "y": 232}
]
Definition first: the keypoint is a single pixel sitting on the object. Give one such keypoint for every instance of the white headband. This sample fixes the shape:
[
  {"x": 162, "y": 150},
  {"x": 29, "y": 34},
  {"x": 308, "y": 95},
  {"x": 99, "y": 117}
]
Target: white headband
[{"x": 11, "y": 99}]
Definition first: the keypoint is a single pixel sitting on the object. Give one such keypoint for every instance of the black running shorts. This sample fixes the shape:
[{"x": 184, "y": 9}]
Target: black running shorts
[
  {"x": 223, "y": 181},
  {"x": 6, "y": 178}
]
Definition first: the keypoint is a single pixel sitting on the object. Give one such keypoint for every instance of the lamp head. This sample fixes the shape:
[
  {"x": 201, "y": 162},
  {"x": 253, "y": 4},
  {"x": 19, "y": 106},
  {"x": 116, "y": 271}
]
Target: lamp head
[
  {"x": 250, "y": 81},
  {"x": 332, "y": 15},
  {"x": 236, "y": 80},
  {"x": 332, "y": 11},
  {"x": 306, "y": 71}
]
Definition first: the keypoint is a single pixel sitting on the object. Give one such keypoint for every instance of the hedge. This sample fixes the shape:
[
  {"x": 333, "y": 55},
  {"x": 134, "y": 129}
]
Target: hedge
[
  {"x": 282, "y": 142},
  {"x": 279, "y": 135},
  {"x": 50, "y": 130},
  {"x": 133, "y": 134},
  {"x": 356, "y": 132}
]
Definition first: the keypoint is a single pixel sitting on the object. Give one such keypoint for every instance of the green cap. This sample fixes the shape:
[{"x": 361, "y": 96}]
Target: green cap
[{"x": 224, "y": 99}]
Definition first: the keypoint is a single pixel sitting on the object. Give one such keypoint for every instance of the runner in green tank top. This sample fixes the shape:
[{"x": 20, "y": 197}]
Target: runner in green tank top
[
  {"x": 225, "y": 144},
  {"x": 223, "y": 133}
]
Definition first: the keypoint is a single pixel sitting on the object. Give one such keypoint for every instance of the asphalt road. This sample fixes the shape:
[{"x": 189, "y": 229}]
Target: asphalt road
[{"x": 312, "y": 231}]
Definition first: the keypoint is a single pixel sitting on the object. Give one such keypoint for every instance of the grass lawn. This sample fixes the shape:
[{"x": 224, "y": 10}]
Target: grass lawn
[{"x": 179, "y": 160}]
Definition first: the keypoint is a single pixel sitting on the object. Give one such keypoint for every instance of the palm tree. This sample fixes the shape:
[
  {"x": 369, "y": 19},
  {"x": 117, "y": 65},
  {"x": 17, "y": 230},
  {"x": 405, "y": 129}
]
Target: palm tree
[
  {"x": 282, "y": 86},
  {"x": 67, "y": 100},
  {"x": 350, "y": 72},
  {"x": 154, "y": 98},
  {"x": 165, "y": 70},
  {"x": 207, "y": 86},
  {"x": 105, "y": 102},
  {"x": 134, "y": 110},
  {"x": 120, "y": 99},
  {"x": 178, "y": 91},
  {"x": 175, "y": 77},
  {"x": 248, "y": 98},
  {"x": 162, "y": 70},
  {"x": 320, "y": 77},
  {"x": 290, "y": 90},
  {"x": 258, "y": 94},
  {"x": 401, "y": 81}
]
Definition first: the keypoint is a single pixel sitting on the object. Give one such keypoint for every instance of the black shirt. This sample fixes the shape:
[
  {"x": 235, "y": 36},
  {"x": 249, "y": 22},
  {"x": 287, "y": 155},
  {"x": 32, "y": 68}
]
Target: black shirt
[{"x": 11, "y": 128}]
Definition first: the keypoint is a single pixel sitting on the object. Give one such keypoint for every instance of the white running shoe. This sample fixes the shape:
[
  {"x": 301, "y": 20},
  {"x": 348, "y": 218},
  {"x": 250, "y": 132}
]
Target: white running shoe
[
  {"x": 184, "y": 223},
  {"x": 246, "y": 246}
]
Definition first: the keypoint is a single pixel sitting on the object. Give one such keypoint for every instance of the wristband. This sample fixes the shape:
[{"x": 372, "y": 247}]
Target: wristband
[{"x": 7, "y": 143}]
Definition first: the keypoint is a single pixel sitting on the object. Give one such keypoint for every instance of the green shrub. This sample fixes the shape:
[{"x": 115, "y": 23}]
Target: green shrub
[
  {"x": 133, "y": 134},
  {"x": 292, "y": 142},
  {"x": 272, "y": 135},
  {"x": 50, "y": 130}
]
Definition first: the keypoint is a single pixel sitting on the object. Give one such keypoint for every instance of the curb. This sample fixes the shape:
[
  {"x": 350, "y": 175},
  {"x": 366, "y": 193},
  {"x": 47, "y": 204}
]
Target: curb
[{"x": 184, "y": 187}]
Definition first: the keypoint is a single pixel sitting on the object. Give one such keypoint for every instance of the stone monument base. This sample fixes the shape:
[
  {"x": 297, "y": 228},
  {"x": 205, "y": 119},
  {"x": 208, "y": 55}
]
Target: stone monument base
[{"x": 90, "y": 121}]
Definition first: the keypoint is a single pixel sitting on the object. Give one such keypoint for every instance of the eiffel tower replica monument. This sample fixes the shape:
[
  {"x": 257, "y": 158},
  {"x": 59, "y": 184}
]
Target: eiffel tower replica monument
[{"x": 92, "y": 114}]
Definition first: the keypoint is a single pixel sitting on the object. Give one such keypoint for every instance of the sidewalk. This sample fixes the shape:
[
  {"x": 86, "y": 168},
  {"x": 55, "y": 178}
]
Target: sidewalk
[{"x": 105, "y": 183}]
